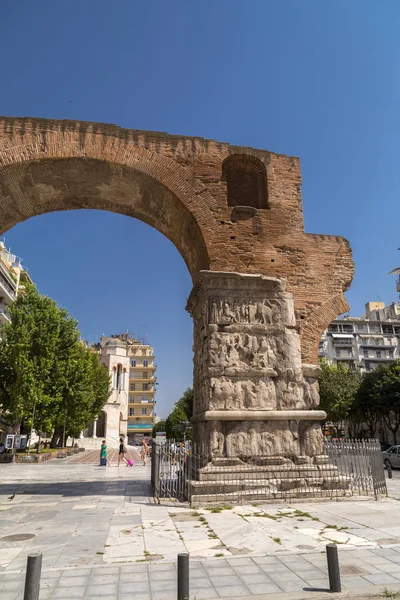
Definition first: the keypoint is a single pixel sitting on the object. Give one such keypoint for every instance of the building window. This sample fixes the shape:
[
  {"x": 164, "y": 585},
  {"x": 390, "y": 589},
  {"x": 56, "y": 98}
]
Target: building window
[
  {"x": 377, "y": 315},
  {"x": 367, "y": 366},
  {"x": 337, "y": 353},
  {"x": 132, "y": 387},
  {"x": 144, "y": 411},
  {"x": 391, "y": 355},
  {"x": 365, "y": 353},
  {"x": 119, "y": 377},
  {"x": 133, "y": 363},
  {"x": 131, "y": 399},
  {"x": 131, "y": 412},
  {"x": 145, "y": 375},
  {"x": 145, "y": 363},
  {"x": 349, "y": 352},
  {"x": 246, "y": 181},
  {"x": 378, "y": 354},
  {"x": 132, "y": 375},
  {"x": 145, "y": 398},
  {"x": 145, "y": 387}
]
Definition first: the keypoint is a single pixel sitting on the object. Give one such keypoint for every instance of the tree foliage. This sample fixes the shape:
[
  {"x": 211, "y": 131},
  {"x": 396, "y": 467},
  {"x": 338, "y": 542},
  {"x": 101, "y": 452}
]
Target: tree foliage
[
  {"x": 379, "y": 399},
  {"x": 159, "y": 427},
  {"x": 177, "y": 423},
  {"x": 46, "y": 370},
  {"x": 338, "y": 387}
]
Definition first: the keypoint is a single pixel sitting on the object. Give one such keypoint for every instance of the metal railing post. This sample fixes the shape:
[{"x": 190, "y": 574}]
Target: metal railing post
[
  {"x": 333, "y": 568},
  {"x": 32, "y": 579},
  {"x": 183, "y": 576},
  {"x": 156, "y": 459}
]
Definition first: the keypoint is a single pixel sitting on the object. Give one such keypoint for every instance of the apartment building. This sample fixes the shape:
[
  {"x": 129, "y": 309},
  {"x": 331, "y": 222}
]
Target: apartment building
[
  {"x": 13, "y": 278},
  {"x": 142, "y": 388},
  {"x": 364, "y": 342}
]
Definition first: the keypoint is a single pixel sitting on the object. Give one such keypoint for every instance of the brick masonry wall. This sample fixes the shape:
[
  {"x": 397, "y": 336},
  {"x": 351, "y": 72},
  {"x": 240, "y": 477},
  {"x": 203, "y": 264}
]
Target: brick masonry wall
[{"x": 175, "y": 184}]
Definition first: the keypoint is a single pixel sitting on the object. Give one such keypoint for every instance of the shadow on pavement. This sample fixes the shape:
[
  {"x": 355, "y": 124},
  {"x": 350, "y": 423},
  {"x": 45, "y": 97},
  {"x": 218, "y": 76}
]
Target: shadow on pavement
[{"x": 107, "y": 487}]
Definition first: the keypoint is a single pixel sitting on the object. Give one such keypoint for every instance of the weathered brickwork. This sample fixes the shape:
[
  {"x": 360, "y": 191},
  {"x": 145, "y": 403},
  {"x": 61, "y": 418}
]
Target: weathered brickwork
[{"x": 180, "y": 185}]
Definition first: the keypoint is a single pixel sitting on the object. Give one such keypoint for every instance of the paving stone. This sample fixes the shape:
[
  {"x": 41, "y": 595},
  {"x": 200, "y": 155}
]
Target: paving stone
[
  {"x": 157, "y": 586},
  {"x": 223, "y": 571},
  {"x": 240, "y": 562},
  {"x": 69, "y": 593},
  {"x": 133, "y": 577},
  {"x": 72, "y": 581},
  {"x": 247, "y": 570},
  {"x": 203, "y": 593},
  {"x": 264, "y": 588},
  {"x": 390, "y": 567},
  {"x": 136, "y": 587},
  {"x": 163, "y": 575},
  {"x": 229, "y": 580},
  {"x": 255, "y": 578},
  {"x": 281, "y": 577},
  {"x": 291, "y": 586},
  {"x": 70, "y": 573},
  {"x": 350, "y": 582},
  {"x": 104, "y": 579},
  {"x": 227, "y": 591},
  {"x": 101, "y": 590},
  {"x": 381, "y": 579},
  {"x": 135, "y": 596}
]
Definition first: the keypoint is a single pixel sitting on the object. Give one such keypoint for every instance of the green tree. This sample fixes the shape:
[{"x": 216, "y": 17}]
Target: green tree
[
  {"x": 378, "y": 399},
  {"x": 45, "y": 371},
  {"x": 338, "y": 387},
  {"x": 186, "y": 403},
  {"x": 159, "y": 427},
  {"x": 176, "y": 425}
]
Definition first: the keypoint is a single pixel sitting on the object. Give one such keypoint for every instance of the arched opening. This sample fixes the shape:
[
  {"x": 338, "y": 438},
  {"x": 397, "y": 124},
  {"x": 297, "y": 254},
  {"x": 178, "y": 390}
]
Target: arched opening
[
  {"x": 246, "y": 180},
  {"x": 101, "y": 426}
]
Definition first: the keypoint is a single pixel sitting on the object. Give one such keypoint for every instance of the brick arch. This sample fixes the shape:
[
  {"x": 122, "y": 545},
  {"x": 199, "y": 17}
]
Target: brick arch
[
  {"x": 319, "y": 320},
  {"x": 54, "y": 169}
]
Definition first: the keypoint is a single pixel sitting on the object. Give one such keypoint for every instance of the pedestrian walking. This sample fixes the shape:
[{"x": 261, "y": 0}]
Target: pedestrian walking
[
  {"x": 143, "y": 454},
  {"x": 104, "y": 454},
  {"x": 122, "y": 451}
]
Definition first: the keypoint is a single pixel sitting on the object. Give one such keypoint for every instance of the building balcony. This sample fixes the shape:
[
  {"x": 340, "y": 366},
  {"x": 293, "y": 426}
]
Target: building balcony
[
  {"x": 375, "y": 344},
  {"x": 381, "y": 359},
  {"x": 6, "y": 290},
  {"x": 5, "y": 316}
]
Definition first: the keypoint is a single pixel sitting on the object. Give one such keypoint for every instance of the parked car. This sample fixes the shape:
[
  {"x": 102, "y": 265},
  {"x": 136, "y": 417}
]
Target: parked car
[
  {"x": 391, "y": 457},
  {"x": 385, "y": 446}
]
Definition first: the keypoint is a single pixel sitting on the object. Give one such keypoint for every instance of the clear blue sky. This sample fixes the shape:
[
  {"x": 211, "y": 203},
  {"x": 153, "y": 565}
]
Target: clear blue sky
[{"x": 311, "y": 78}]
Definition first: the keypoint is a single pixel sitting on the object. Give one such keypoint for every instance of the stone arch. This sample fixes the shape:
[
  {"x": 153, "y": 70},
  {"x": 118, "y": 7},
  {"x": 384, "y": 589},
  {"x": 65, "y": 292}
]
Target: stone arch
[
  {"x": 246, "y": 180},
  {"x": 319, "y": 320},
  {"x": 74, "y": 169}
]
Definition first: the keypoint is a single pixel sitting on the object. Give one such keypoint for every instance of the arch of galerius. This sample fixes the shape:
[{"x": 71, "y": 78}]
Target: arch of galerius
[{"x": 264, "y": 290}]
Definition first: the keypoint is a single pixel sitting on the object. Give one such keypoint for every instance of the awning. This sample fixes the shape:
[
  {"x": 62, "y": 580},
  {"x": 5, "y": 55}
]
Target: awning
[
  {"x": 342, "y": 335},
  {"x": 395, "y": 271}
]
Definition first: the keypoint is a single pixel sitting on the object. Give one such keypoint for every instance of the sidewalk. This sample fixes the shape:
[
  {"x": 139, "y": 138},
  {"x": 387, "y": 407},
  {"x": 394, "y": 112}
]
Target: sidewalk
[
  {"x": 364, "y": 573},
  {"x": 102, "y": 535}
]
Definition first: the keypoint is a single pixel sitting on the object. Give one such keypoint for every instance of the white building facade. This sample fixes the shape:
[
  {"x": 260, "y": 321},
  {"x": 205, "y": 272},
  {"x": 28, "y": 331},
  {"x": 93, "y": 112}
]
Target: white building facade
[
  {"x": 129, "y": 411},
  {"x": 364, "y": 342}
]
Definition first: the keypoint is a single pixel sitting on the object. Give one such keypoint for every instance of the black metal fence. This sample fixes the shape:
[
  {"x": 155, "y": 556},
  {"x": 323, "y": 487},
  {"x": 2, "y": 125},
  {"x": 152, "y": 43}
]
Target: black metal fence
[{"x": 184, "y": 472}]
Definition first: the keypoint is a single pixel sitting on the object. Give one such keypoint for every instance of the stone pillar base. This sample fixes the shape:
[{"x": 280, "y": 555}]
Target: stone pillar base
[{"x": 255, "y": 422}]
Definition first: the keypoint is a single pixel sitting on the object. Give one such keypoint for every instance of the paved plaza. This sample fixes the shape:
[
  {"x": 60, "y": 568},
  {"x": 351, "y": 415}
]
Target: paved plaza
[{"x": 101, "y": 534}]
